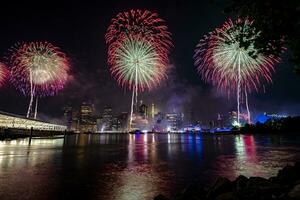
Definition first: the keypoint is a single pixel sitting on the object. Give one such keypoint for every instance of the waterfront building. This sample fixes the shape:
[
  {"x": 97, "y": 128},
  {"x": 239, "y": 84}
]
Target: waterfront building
[
  {"x": 75, "y": 124},
  {"x": 174, "y": 121},
  {"x": 107, "y": 119},
  {"x": 152, "y": 111},
  {"x": 143, "y": 111},
  {"x": 68, "y": 116},
  {"x": 123, "y": 118},
  {"x": 116, "y": 124},
  {"x": 87, "y": 119},
  {"x": 12, "y": 121}
]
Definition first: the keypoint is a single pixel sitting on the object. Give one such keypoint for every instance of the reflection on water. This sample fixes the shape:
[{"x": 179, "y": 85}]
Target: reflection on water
[
  {"x": 17, "y": 152},
  {"x": 121, "y": 166}
]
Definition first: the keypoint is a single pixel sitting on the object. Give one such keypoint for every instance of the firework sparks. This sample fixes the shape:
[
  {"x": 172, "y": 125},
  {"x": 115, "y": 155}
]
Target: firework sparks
[
  {"x": 38, "y": 69},
  {"x": 3, "y": 74},
  {"x": 223, "y": 61},
  {"x": 140, "y": 23},
  {"x": 136, "y": 64},
  {"x": 139, "y": 44}
]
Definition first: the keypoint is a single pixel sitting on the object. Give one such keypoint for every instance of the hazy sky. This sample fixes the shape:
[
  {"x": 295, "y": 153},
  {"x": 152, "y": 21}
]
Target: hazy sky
[{"x": 79, "y": 28}]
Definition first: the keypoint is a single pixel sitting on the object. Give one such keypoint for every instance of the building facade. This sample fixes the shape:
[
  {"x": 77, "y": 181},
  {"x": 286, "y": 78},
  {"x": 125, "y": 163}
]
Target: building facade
[
  {"x": 174, "y": 121},
  {"x": 8, "y": 120},
  {"x": 88, "y": 122}
]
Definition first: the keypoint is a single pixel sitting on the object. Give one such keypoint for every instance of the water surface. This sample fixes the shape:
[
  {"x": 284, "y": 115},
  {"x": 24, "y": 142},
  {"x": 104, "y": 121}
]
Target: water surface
[{"x": 121, "y": 166}]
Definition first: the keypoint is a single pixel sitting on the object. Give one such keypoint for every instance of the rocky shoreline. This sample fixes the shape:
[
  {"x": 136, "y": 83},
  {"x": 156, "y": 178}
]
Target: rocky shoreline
[{"x": 286, "y": 185}]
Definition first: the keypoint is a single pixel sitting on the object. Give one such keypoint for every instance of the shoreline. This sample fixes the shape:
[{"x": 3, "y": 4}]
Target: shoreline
[
  {"x": 13, "y": 134},
  {"x": 19, "y": 134},
  {"x": 285, "y": 185}
]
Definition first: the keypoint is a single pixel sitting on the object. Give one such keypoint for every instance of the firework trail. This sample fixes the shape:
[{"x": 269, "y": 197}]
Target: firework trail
[
  {"x": 3, "y": 74},
  {"x": 223, "y": 61},
  {"x": 138, "y": 49},
  {"x": 38, "y": 69}
]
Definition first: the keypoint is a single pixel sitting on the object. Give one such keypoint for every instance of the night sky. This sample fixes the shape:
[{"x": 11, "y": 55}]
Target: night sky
[{"x": 79, "y": 29}]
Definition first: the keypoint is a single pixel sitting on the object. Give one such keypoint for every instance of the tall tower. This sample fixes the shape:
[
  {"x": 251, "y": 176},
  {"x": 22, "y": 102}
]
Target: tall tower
[
  {"x": 68, "y": 116},
  {"x": 152, "y": 110},
  {"x": 87, "y": 120},
  {"x": 107, "y": 118}
]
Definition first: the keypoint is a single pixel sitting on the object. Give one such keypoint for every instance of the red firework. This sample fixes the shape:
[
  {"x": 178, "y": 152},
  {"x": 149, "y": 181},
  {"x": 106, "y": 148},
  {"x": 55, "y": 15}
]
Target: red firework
[
  {"x": 137, "y": 22},
  {"x": 3, "y": 74},
  {"x": 38, "y": 65},
  {"x": 222, "y": 60},
  {"x": 141, "y": 24},
  {"x": 227, "y": 58}
]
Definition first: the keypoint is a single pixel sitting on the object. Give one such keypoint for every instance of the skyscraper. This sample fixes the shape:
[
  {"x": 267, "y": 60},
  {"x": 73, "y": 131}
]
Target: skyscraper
[
  {"x": 87, "y": 120},
  {"x": 143, "y": 111},
  {"x": 174, "y": 120},
  {"x": 107, "y": 119},
  {"x": 75, "y": 125},
  {"x": 123, "y": 117},
  {"x": 68, "y": 116},
  {"x": 152, "y": 111}
]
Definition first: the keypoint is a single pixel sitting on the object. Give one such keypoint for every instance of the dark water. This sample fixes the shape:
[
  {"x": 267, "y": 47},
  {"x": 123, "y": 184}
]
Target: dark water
[{"x": 116, "y": 166}]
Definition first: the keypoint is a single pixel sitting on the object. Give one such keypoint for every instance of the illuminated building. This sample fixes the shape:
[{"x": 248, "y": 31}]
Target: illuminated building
[
  {"x": 75, "y": 124},
  {"x": 143, "y": 111},
  {"x": 8, "y": 120},
  {"x": 116, "y": 124},
  {"x": 86, "y": 110},
  {"x": 107, "y": 119},
  {"x": 68, "y": 116},
  {"x": 159, "y": 117},
  {"x": 152, "y": 111},
  {"x": 191, "y": 117},
  {"x": 263, "y": 118},
  {"x": 123, "y": 118},
  {"x": 220, "y": 121},
  {"x": 87, "y": 120},
  {"x": 232, "y": 119},
  {"x": 174, "y": 121}
]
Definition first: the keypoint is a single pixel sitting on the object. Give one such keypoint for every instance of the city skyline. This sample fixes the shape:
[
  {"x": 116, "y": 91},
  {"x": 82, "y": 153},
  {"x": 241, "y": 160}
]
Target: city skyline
[{"x": 82, "y": 38}]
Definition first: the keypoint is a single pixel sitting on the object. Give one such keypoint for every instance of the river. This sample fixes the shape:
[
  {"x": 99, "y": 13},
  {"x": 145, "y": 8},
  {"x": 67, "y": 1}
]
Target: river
[{"x": 122, "y": 166}]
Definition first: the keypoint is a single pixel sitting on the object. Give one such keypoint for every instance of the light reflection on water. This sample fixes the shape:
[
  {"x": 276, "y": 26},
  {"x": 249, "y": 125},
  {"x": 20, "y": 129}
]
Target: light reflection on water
[{"x": 116, "y": 166}]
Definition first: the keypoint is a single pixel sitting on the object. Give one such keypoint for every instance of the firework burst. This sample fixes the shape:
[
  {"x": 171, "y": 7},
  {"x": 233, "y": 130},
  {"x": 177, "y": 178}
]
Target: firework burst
[
  {"x": 38, "y": 69},
  {"x": 138, "y": 49},
  {"x": 143, "y": 24},
  {"x": 3, "y": 74},
  {"x": 223, "y": 61},
  {"x": 136, "y": 64}
]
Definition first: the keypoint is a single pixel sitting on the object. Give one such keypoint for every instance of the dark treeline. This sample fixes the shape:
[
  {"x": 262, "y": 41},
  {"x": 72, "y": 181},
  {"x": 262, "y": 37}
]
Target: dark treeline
[{"x": 286, "y": 125}]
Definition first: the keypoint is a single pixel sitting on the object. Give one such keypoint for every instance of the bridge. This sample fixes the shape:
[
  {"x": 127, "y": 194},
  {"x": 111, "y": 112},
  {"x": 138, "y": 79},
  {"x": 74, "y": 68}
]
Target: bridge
[{"x": 12, "y": 121}]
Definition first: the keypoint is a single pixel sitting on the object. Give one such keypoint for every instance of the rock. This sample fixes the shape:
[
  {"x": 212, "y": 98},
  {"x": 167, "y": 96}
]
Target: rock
[
  {"x": 160, "y": 197},
  {"x": 247, "y": 193},
  {"x": 258, "y": 182},
  {"x": 273, "y": 179},
  {"x": 220, "y": 186},
  {"x": 297, "y": 166},
  {"x": 288, "y": 175},
  {"x": 285, "y": 186},
  {"x": 191, "y": 192},
  {"x": 297, "y": 181},
  {"x": 295, "y": 192},
  {"x": 225, "y": 196},
  {"x": 273, "y": 191},
  {"x": 241, "y": 182}
]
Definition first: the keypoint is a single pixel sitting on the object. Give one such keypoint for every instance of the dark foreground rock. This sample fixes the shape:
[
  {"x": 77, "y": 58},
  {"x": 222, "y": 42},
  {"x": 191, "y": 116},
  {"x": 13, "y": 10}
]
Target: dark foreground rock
[{"x": 284, "y": 186}]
